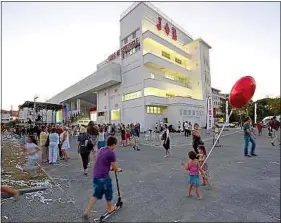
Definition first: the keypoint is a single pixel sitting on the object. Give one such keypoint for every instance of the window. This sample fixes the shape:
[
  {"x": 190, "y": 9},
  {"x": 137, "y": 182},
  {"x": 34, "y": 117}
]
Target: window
[
  {"x": 116, "y": 105},
  {"x": 150, "y": 91},
  {"x": 178, "y": 61},
  {"x": 134, "y": 34},
  {"x": 133, "y": 95},
  {"x": 125, "y": 40},
  {"x": 152, "y": 75},
  {"x": 193, "y": 113},
  {"x": 154, "y": 110},
  {"x": 165, "y": 54},
  {"x": 115, "y": 90},
  {"x": 184, "y": 112},
  {"x": 104, "y": 93},
  {"x": 115, "y": 115}
]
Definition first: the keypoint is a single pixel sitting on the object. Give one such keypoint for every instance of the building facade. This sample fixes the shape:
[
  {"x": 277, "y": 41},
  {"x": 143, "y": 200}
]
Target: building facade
[
  {"x": 158, "y": 73},
  {"x": 218, "y": 101}
]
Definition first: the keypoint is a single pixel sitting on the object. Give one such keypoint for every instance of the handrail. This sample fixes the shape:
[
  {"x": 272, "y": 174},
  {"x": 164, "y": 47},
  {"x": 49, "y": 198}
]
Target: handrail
[{"x": 150, "y": 5}]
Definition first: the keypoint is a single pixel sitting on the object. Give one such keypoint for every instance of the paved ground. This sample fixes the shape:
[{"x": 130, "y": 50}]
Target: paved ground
[{"x": 154, "y": 188}]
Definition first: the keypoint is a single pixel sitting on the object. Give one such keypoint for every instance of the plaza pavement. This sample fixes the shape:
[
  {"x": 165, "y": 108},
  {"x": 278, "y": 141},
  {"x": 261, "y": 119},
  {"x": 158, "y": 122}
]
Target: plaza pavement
[{"x": 154, "y": 188}]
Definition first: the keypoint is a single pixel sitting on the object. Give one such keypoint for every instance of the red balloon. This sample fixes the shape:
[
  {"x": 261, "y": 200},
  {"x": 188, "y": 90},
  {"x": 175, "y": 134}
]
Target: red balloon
[{"x": 242, "y": 92}]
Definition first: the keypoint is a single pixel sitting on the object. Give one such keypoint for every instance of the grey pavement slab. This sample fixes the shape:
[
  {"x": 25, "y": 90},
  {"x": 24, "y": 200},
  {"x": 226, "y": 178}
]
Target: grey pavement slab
[{"x": 154, "y": 188}]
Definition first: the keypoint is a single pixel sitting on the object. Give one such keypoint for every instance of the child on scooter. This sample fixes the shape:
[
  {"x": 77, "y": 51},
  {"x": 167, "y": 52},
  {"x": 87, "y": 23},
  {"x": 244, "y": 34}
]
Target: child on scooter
[{"x": 106, "y": 159}]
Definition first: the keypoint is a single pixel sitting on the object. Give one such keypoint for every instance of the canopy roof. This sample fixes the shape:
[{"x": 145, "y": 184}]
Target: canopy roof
[{"x": 40, "y": 105}]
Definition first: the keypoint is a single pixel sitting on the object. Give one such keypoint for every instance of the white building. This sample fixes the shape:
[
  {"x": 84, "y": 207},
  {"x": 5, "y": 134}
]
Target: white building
[
  {"x": 218, "y": 100},
  {"x": 159, "y": 72}
]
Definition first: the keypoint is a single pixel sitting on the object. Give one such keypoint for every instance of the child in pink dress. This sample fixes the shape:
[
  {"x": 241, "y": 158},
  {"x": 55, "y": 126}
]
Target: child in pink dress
[{"x": 193, "y": 168}]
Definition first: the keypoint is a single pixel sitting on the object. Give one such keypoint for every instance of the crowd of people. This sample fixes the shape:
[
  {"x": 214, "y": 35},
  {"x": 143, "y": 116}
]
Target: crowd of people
[{"x": 53, "y": 142}]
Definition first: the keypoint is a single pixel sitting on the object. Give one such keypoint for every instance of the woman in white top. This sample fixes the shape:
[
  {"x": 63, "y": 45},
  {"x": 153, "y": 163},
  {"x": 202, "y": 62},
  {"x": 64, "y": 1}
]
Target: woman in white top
[
  {"x": 34, "y": 155},
  {"x": 101, "y": 140},
  {"x": 65, "y": 143}
]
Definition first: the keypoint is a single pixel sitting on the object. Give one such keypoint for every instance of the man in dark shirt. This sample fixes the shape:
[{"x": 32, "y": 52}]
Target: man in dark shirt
[
  {"x": 275, "y": 125},
  {"x": 248, "y": 137}
]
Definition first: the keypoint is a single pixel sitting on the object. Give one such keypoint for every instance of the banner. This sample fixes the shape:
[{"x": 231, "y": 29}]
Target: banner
[{"x": 209, "y": 114}]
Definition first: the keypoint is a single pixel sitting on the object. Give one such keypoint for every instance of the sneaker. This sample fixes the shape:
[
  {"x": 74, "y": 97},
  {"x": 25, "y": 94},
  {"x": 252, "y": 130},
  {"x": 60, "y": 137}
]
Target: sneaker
[
  {"x": 247, "y": 155},
  {"x": 199, "y": 198},
  {"x": 86, "y": 172},
  {"x": 272, "y": 144},
  {"x": 253, "y": 154}
]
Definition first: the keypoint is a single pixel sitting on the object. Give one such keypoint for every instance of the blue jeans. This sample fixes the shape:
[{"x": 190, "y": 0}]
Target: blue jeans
[{"x": 248, "y": 139}]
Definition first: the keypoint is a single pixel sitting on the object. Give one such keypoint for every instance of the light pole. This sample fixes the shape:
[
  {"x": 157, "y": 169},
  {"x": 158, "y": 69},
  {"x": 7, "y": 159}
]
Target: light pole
[{"x": 34, "y": 108}]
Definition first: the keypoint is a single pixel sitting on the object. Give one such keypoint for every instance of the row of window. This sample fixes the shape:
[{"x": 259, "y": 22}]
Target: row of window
[
  {"x": 168, "y": 56},
  {"x": 134, "y": 34},
  {"x": 149, "y": 91},
  {"x": 131, "y": 52},
  {"x": 191, "y": 112},
  {"x": 133, "y": 95},
  {"x": 154, "y": 110}
]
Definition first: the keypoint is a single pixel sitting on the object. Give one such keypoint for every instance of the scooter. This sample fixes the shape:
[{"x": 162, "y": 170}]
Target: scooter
[{"x": 118, "y": 204}]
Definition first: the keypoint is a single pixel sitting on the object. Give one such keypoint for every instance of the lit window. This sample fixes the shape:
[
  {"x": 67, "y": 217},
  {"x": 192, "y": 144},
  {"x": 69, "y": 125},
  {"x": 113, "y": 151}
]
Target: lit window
[
  {"x": 152, "y": 75},
  {"x": 154, "y": 110},
  {"x": 165, "y": 54},
  {"x": 178, "y": 61},
  {"x": 133, "y": 95},
  {"x": 115, "y": 115}
]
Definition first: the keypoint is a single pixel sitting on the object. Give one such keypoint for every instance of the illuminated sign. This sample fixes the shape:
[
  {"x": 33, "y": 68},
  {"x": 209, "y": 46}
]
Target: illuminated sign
[
  {"x": 124, "y": 49},
  {"x": 167, "y": 29}
]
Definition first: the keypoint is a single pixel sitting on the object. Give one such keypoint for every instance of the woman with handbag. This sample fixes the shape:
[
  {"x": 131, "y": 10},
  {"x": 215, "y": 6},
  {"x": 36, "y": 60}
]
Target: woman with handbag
[
  {"x": 196, "y": 138},
  {"x": 84, "y": 148},
  {"x": 166, "y": 138}
]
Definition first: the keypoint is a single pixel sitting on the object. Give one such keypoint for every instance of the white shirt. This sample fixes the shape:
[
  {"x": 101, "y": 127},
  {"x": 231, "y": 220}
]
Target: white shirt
[
  {"x": 101, "y": 137},
  {"x": 185, "y": 126}
]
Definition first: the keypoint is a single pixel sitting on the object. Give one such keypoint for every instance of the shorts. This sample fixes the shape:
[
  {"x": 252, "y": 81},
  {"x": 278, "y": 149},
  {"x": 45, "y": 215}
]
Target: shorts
[
  {"x": 193, "y": 180},
  {"x": 103, "y": 186}
]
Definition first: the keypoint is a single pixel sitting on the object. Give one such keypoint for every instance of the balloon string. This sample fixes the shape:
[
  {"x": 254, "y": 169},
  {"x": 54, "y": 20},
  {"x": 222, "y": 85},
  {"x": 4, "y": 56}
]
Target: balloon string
[{"x": 216, "y": 139}]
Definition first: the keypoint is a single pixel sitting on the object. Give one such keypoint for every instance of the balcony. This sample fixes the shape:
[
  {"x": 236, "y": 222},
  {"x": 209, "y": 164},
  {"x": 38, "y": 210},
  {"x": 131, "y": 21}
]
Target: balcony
[
  {"x": 162, "y": 64},
  {"x": 150, "y": 35},
  {"x": 154, "y": 100}
]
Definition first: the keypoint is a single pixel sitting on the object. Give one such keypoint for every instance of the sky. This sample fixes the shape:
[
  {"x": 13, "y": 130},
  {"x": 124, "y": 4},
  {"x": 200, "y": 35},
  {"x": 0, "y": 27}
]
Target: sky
[{"x": 48, "y": 46}]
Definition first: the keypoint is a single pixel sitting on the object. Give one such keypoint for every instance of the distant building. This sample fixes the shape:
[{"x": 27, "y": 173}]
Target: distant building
[
  {"x": 218, "y": 101},
  {"x": 7, "y": 116}
]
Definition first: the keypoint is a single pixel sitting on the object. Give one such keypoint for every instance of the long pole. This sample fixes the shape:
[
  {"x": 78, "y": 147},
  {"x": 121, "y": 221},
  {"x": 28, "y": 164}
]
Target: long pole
[
  {"x": 255, "y": 113},
  {"x": 217, "y": 139}
]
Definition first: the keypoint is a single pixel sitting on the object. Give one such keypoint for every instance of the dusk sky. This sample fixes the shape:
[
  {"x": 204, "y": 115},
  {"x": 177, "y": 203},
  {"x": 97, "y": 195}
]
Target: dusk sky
[{"x": 46, "y": 47}]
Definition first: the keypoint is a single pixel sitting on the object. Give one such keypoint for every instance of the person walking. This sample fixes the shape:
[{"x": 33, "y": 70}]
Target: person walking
[
  {"x": 186, "y": 129},
  {"x": 275, "y": 131},
  {"x": 166, "y": 141},
  {"x": 53, "y": 146},
  {"x": 196, "y": 138},
  {"x": 65, "y": 145},
  {"x": 84, "y": 149},
  {"x": 45, "y": 149},
  {"x": 93, "y": 132},
  {"x": 248, "y": 137}
]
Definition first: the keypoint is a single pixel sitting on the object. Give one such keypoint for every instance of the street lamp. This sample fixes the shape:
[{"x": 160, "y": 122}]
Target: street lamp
[{"x": 34, "y": 107}]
